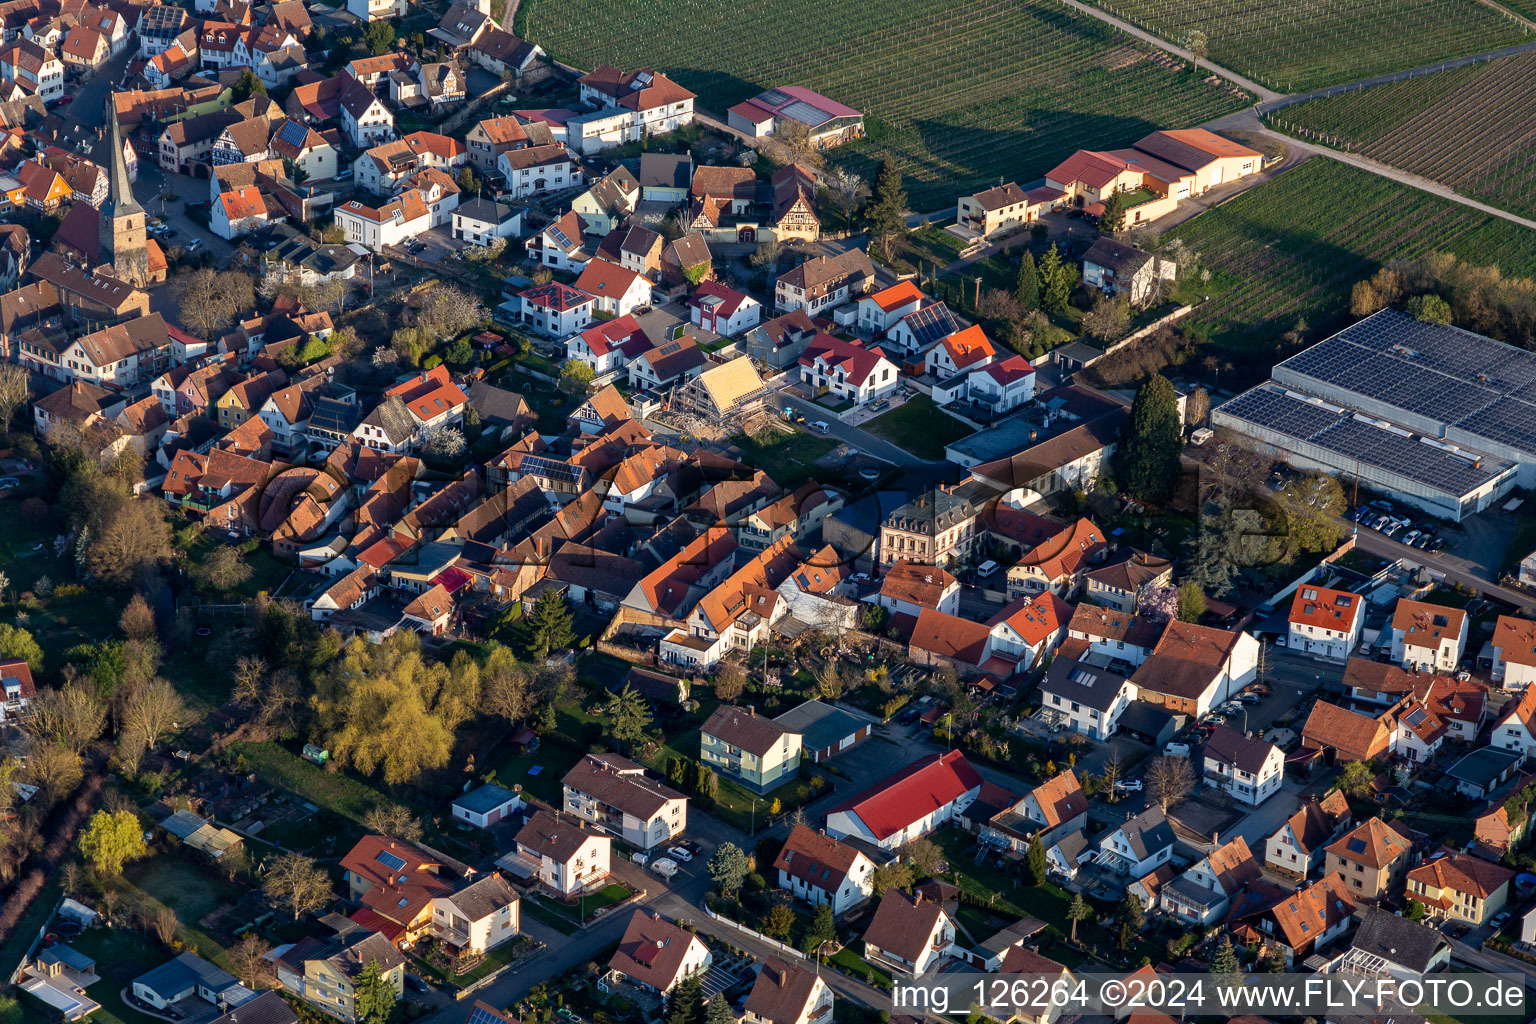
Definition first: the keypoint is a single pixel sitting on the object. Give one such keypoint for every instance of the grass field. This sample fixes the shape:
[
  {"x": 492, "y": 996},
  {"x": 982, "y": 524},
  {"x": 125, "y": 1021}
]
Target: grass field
[
  {"x": 1292, "y": 47},
  {"x": 965, "y": 94},
  {"x": 1294, "y": 247},
  {"x": 919, "y": 427},
  {"x": 1469, "y": 128},
  {"x": 786, "y": 457},
  {"x": 335, "y": 791}
]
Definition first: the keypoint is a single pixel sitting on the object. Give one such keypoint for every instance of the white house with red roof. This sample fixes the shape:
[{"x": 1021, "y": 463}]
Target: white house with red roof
[
  {"x": 616, "y": 290},
  {"x": 628, "y": 107},
  {"x": 908, "y": 588},
  {"x": 1514, "y": 652},
  {"x": 819, "y": 869},
  {"x": 16, "y": 688},
  {"x": 655, "y": 955},
  {"x": 726, "y": 311},
  {"x": 1428, "y": 636},
  {"x": 377, "y": 227},
  {"x": 239, "y": 212},
  {"x": 559, "y": 244},
  {"x": 608, "y": 345},
  {"x": 852, "y": 372},
  {"x": 432, "y": 398},
  {"x": 908, "y": 804},
  {"x": 879, "y": 311},
  {"x": 1325, "y": 623},
  {"x": 959, "y": 352},
  {"x": 998, "y": 387},
  {"x": 1030, "y": 628},
  {"x": 555, "y": 310}
]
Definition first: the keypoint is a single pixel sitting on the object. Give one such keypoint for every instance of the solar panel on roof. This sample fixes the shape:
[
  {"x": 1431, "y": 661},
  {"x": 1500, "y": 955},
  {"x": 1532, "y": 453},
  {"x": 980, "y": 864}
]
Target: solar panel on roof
[
  {"x": 294, "y": 133},
  {"x": 561, "y": 238},
  {"x": 484, "y": 1015},
  {"x": 389, "y": 860}
]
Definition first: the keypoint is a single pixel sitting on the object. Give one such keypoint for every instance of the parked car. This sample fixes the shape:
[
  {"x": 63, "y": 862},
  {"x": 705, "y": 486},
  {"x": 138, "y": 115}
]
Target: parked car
[
  {"x": 1128, "y": 785},
  {"x": 1500, "y": 920},
  {"x": 691, "y": 846},
  {"x": 909, "y": 716},
  {"x": 194, "y": 245},
  {"x": 663, "y": 867},
  {"x": 819, "y": 426},
  {"x": 679, "y": 853},
  {"x": 416, "y": 984},
  {"x": 1435, "y": 545},
  {"x": 1411, "y": 536},
  {"x": 1248, "y": 698}
]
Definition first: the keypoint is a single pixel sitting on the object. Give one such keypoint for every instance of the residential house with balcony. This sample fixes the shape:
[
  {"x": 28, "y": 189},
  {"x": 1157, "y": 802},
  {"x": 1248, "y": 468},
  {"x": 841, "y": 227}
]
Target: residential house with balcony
[
  {"x": 615, "y": 794},
  {"x": 16, "y": 689},
  {"x": 821, "y": 284},
  {"x": 909, "y": 935},
  {"x": 1325, "y": 623},
  {"x": 627, "y": 107},
  {"x": 1120, "y": 584},
  {"x": 534, "y": 170},
  {"x": 1246, "y": 768},
  {"x": 907, "y": 588},
  {"x": 994, "y": 211},
  {"x": 1058, "y": 561},
  {"x": 555, "y": 310},
  {"x": 1297, "y": 923},
  {"x": 1138, "y": 845},
  {"x": 561, "y": 854},
  {"x": 1113, "y": 634},
  {"x": 786, "y": 993},
  {"x": 749, "y": 748},
  {"x": 1296, "y": 847},
  {"x": 1201, "y": 895},
  {"x": 325, "y": 972},
  {"x": 994, "y": 389},
  {"x": 1193, "y": 668},
  {"x": 1428, "y": 636},
  {"x": 477, "y": 917},
  {"x": 725, "y": 311},
  {"x": 852, "y": 372},
  {"x": 959, "y": 353},
  {"x": 818, "y": 869},
  {"x": 1460, "y": 887},
  {"x": 655, "y": 955},
  {"x": 1083, "y": 693},
  {"x": 1515, "y": 729},
  {"x": 617, "y": 291}
]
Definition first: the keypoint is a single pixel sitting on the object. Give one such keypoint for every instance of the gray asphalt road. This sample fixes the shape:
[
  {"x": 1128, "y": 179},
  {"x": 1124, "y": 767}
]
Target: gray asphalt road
[
  {"x": 1281, "y": 102},
  {"x": 1456, "y": 569},
  {"x": 860, "y": 439}
]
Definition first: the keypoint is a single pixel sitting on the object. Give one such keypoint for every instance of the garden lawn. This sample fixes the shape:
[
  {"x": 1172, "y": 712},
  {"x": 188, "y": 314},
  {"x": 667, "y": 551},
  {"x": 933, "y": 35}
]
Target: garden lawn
[
  {"x": 336, "y": 791},
  {"x": 121, "y": 955},
  {"x": 856, "y": 965},
  {"x": 494, "y": 960},
  {"x": 786, "y": 457},
  {"x": 919, "y": 427},
  {"x": 1283, "y": 252},
  {"x": 1051, "y": 81}
]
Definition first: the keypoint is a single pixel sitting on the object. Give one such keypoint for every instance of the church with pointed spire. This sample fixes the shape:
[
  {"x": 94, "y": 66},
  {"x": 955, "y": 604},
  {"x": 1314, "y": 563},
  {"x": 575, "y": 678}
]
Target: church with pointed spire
[{"x": 124, "y": 241}]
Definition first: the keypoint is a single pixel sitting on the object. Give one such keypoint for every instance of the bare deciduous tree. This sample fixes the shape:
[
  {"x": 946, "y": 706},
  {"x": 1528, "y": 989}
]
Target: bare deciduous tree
[
  {"x": 13, "y": 393},
  {"x": 296, "y": 884},
  {"x": 70, "y": 716},
  {"x": 1169, "y": 780},
  {"x": 162, "y": 921},
  {"x": 730, "y": 680},
  {"x": 449, "y": 312},
  {"x": 247, "y": 961},
  {"x": 394, "y": 821},
  {"x": 250, "y": 681},
  {"x": 150, "y": 711},
  {"x": 138, "y": 620}
]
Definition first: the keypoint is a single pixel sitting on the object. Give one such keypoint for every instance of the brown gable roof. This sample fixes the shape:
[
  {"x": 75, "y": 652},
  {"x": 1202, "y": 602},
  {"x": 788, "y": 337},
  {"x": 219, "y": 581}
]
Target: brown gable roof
[
  {"x": 781, "y": 993},
  {"x": 816, "y": 858},
  {"x": 621, "y": 783},
  {"x": 652, "y": 950},
  {"x": 1353, "y": 736},
  {"x": 903, "y": 924},
  {"x": 554, "y": 836},
  {"x": 1462, "y": 872},
  {"x": 744, "y": 728},
  {"x": 1061, "y": 798}
]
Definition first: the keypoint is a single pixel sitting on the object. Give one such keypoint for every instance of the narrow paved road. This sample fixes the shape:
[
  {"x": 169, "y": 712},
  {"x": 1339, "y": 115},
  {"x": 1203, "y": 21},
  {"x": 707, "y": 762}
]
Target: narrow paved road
[
  {"x": 860, "y": 439},
  {"x": 1456, "y": 570},
  {"x": 1248, "y": 121},
  {"x": 1281, "y": 102}
]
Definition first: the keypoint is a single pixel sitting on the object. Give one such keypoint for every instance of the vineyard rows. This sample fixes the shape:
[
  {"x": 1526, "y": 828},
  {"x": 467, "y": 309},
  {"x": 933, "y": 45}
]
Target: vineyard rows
[
  {"x": 964, "y": 94},
  {"x": 1470, "y": 128},
  {"x": 1294, "y": 247},
  {"x": 1296, "y": 45}
]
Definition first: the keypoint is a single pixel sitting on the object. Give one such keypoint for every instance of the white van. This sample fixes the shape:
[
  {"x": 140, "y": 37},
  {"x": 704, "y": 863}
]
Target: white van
[
  {"x": 1177, "y": 750},
  {"x": 664, "y": 867},
  {"x": 820, "y": 426},
  {"x": 986, "y": 568}
]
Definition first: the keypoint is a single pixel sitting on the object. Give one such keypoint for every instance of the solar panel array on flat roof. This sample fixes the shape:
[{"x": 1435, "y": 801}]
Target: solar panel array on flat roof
[
  {"x": 485, "y": 1015},
  {"x": 1448, "y": 375},
  {"x": 1353, "y": 439}
]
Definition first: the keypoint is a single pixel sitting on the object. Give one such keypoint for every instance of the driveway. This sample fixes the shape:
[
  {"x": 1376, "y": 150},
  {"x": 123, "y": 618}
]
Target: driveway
[{"x": 848, "y": 434}]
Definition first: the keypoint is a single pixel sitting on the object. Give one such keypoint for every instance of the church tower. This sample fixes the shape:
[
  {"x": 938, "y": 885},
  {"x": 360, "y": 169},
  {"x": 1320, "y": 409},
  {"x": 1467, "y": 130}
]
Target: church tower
[{"x": 124, "y": 244}]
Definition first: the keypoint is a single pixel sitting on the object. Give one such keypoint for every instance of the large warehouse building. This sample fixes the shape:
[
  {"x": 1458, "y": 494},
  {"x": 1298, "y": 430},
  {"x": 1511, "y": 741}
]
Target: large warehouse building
[{"x": 1440, "y": 418}]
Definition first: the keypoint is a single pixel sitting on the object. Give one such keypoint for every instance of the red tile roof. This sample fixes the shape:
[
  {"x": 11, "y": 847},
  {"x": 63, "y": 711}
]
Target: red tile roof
[
  {"x": 914, "y": 792},
  {"x": 1326, "y": 609}
]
